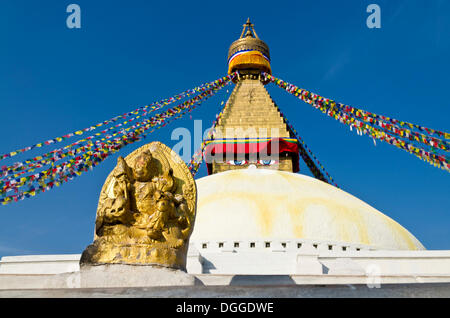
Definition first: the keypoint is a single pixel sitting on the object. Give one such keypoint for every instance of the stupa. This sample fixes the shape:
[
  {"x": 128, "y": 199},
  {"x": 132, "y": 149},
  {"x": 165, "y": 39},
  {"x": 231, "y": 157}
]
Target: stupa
[
  {"x": 254, "y": 206},
  {"x": 261, "y": 223}
]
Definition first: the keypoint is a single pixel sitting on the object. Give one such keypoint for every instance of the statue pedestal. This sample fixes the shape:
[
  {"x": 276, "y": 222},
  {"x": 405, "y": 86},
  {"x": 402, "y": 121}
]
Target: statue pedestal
[
  {"x": 121, "y": 275},
  {"x": 101, "y": 276}
]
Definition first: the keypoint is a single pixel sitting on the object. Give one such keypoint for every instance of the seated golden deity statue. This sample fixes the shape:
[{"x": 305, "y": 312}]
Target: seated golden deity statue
[{"x": 146, "y": 211}]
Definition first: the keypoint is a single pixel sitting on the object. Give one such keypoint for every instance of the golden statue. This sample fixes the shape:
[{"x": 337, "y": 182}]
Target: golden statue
[{"x": 146, "y": 211}]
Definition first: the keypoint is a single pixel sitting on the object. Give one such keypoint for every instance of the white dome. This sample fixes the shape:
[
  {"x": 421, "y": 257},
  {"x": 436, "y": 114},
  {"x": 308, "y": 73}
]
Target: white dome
[{"x": 262, "y": 204}]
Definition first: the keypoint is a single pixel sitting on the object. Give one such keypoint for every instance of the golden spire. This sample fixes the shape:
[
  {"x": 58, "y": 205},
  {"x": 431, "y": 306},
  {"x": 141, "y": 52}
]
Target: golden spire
[
  {"x": 251, "y": 123},
  {"x": 251, "y": 116},
  {"x": 249, "y": 52},
  {"x": 250, "y": 30}
]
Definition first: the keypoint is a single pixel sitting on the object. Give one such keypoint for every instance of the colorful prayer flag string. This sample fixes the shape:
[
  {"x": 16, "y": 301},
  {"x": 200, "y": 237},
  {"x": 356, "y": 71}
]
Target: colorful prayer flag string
[
  {"x": 198, "y": 156},
  {"x": 77, "y": 147},
  {"x": 317, "y": 173},
  {"x": 378, "y": 127},
  {"x": 152, "y": 107},
  {"x": 74, "y": 167},
  {"x": 383, "y": 121}
]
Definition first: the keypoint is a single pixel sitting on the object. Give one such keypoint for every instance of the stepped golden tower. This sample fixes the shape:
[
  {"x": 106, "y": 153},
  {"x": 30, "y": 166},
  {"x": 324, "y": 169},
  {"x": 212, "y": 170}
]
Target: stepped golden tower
[{"x": 251, "y": 131}]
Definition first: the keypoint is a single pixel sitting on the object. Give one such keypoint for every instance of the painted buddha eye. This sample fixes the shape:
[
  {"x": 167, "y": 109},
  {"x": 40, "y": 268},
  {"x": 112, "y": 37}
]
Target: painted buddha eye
[
  {"x": 237, "y": 162},
  {"x": 266, "y": 162}
]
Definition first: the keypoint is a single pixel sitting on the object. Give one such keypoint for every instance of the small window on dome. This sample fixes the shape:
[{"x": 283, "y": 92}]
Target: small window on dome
[
  {"x": 252, "y": 244},
  {"x": 299, "y": 245},
  {"x": 315, "y": 245},
  {"x": 330, "y": 247},
  {"x": 204, "y": 245},
  {"x": 221, "y": 244},
  {"x": 236, "y": 244},
  {"x": 283, "y": 245},
  {"x": 267, "y": 244}
]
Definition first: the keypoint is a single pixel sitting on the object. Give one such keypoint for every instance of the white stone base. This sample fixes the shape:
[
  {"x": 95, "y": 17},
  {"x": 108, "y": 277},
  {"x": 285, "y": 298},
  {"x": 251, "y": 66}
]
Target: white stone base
[
  {"x": 119, "y": 275},
  {"x": 281, "y": 264},
  {"x": 102, "y": 276}
]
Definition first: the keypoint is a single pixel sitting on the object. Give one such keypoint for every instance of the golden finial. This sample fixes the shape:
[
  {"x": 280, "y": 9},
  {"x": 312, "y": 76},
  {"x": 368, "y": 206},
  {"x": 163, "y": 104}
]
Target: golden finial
[
  {"x": 250, "y": 30},
  {"x": 248, "y": 52}
]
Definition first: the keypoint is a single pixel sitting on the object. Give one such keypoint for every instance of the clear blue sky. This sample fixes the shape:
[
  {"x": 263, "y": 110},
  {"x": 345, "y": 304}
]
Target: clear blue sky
[{"x": 54, "y": 80}]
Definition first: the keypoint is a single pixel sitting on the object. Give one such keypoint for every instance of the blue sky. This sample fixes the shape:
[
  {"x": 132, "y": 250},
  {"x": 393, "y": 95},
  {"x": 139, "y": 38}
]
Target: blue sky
[{"x": 55, "y": 80}]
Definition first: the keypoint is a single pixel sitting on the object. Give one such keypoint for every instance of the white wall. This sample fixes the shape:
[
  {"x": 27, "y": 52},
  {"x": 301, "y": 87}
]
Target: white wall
[{"x": 306, "y": 262}]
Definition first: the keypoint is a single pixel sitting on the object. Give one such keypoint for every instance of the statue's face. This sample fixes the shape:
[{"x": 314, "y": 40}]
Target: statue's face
[
  {"x": 143, "y": 168},
  {"x": 163, "y": 205}
]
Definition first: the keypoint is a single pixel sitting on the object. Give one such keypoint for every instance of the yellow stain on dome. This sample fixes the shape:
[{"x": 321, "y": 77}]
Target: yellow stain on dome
[
  {"x": 338, "y": 211},
  {"x": 270, "y": 204},
  {"x": 404, "y": 234}
]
